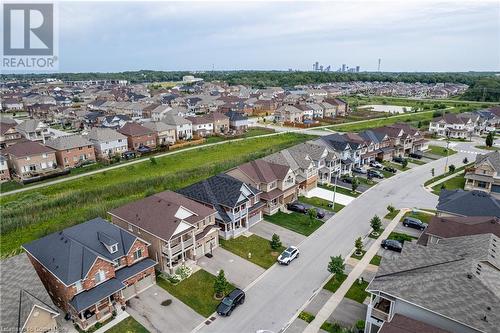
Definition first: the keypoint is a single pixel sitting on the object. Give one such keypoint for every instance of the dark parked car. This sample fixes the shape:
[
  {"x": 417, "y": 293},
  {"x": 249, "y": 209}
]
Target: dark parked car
[
  {"x": 375, "y": 174},
  {"x": 296, "y": 207},
  {"x": 417, "y": 154},
  {"x": 128, "y": 155},
  {"x": 398, "y": 159},
  {"x": 347, "y": 180},
  {"x": 392, "y": 244},
  {"x": 230, "y": 302},
  {"x": 320, "y": 213},
  {"x": 414, "y": 223},
  {"x": 390, "y": 169},
  {"x": 144, "y": 149},
  {"x": 359, "y": 170}
]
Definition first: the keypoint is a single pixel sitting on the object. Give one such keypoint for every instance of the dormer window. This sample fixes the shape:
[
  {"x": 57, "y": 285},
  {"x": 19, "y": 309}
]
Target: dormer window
[{"x": 113, "y": 248}]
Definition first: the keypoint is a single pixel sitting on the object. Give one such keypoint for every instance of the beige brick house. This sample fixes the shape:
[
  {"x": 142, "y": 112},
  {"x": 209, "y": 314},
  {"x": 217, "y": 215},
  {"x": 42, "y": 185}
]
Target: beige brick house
[{"x": 29, "y": 158}]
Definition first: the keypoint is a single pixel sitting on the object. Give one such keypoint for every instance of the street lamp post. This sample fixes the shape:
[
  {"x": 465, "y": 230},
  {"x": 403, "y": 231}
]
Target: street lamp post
[
  {"x": 447, "y": 153},
  {"x": 334, "y": 191}
]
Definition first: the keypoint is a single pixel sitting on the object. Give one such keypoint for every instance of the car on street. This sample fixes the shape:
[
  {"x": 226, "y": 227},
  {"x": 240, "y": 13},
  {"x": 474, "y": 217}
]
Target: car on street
[
  {"x": 372, "y": 173},
  {"x": 398, "y": 159},
  {"x": 389, "y": 169},
  {"x": 297, "y": 207},
  {"x": 359, "y": 170},
  {"x": 392, "y": 244},
  {"x": 375, "y": 164},
  {"x": 287, "y": 256},
  {"x": 230, "y": 302},
  {"x": 414, "y": 223},
  {"x": 320, "y": 213}
]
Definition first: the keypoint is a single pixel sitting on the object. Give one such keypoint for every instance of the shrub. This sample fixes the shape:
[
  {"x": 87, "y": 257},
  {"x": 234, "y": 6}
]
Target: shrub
[
  {"x": 360, "y": 324},
  {"x": 391, "y": 208},
  {"x": 358, "y": 244},
  {"x": 166, "y": 302},
  {"x": 183, "y": 272},
  {"x": 275, "y": 242},
  {"x": 451, "y": 168},
  {"x": 376, "y": 223},
  {"x": 220, "y": 284},
  {"x": 153, "y": 160}
]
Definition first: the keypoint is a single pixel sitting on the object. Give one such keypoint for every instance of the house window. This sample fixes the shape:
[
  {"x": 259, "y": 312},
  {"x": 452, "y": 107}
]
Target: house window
[
  {"x": 44, "y": 155},
  {"x": 78, "y": 286},
  {"x": 130, "y": 227},
  {"x": 138, "y": 254},
  {"x": 113, "y": 248},
  {"x": 99, "y": 276}
]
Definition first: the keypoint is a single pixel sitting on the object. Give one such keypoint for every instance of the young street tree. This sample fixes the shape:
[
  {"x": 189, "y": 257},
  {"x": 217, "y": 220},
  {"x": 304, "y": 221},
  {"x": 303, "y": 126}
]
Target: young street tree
[
  {"x": 489, "y": 139},
  {"x": 404, "y": 163},
  {"x": 312, "y": 215},
  {"x": 376, "y": 223},
  {"x": 275, "y": 242},
  {"x": 336, "y": 265},
  {"x": 354, "y": 184},
  {"x": 220, "y": 284},
  {"x": 358, "y": 244},
  {"x": 451, "y": 168}
]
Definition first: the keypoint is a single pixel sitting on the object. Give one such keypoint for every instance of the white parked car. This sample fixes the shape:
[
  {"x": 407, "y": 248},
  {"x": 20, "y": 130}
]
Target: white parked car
[
  {"x": 288, "y": 255},
  {"x": 375, "y": 164}
]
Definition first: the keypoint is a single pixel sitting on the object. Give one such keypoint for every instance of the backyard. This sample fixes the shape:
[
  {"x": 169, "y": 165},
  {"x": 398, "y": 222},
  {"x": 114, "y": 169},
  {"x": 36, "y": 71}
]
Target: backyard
[
  {"x": 300, "y": 223},
  {"x": 253, "y": 248},
  {"x": 36, "y": 213},
  {"x": 197, "y": 292}
]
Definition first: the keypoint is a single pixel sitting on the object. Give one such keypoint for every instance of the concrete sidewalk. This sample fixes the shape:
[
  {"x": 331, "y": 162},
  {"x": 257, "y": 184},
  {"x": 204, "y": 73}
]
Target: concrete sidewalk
[{"x": 353, "y": 276}]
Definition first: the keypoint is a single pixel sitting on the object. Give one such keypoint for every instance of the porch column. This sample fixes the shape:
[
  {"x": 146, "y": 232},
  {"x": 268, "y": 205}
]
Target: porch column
[
  {"x": 182, "y": 249},
  {"x": 169, "y": 255}
]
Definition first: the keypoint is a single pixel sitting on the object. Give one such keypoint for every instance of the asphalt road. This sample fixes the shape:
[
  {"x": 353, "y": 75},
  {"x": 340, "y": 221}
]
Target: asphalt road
[{"x": 274, "y": 299}]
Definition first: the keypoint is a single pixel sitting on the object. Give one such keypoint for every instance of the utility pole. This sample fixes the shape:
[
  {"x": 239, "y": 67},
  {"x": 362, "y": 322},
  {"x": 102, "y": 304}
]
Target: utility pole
[{"x": 447, "y": 153}]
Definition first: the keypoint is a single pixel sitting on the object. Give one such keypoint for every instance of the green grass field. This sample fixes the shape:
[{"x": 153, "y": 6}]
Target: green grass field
[
  {"x": 197, "y": 292},
  {"x": 493, "y": 148},
  {"x": 376, "y": 260},
  {"x": 321, "y": 203},
  {"x": 419, "y": 215},
  {"x": 33, "y": 214},
  {"x": 261, "y": 252},
  {"x": 335, "y": 282},
  {"x": 300, "y": 223},
  {"x": 357, "y": 291},
  {"x": 392, "y": 214},
  {"x": 341, "y": 190},
  {"x": 457, "y": 182},
  {"x": 128, "y": 325},
  {"x": 441, "y": 151}
]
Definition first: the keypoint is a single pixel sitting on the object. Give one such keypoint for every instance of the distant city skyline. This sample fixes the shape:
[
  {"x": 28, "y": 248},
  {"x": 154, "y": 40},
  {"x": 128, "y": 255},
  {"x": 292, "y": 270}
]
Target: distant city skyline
[{"x": 408, "y": 36}]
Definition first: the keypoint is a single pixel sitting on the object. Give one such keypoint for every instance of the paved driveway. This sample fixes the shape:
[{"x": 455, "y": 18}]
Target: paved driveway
[
  {"x": 238, "y": 271},
  {"x": 348, "y": 312},
  {"x": 266, "y": 230},
  {"x": 328, "y": 195},
  {"x": 147, "y": 310},
  {"x": 409, "y": 231}
]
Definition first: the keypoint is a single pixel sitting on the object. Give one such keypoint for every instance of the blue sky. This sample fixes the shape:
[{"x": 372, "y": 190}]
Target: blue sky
[{"x": 407, "y": 35}]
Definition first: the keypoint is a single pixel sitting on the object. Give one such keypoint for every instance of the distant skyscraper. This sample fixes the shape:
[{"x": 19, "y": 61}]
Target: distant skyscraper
[
  {"x": 357, "y": 69},
  {"x": 343, "y": 67},
  {"x": 378, "y": 68},
  {"x": 316, "y": 66}
]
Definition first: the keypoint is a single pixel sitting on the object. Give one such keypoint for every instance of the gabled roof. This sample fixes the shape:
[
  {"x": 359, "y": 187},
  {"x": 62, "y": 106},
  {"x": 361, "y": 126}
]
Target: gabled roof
[
  {"x": 134, "y": 129},
  {"x": 236, "y": 116},
  {"x": 468, "y": 203},
  {"x": 162, "y": 214},
  {"x": 173, "y": 119},
  {"x": 403, "y": 324},
  {"x": 453, "y": 226},
  {"x": 69, "y": 254},
  {"x": 27, "y": 148},
  {"x": 68, "y": 142},
  {"x": 30, "y": 125},
  {"x": 105, "y": 134},
  {"x": 21, "y": 290},
  {"x": 493, "y": 158},
  {"x": 158, "y": 126},
  {"x": 262, "y": 171},
  {"x": 456, "y": 278},
  {"x": 220, "y": 190}
]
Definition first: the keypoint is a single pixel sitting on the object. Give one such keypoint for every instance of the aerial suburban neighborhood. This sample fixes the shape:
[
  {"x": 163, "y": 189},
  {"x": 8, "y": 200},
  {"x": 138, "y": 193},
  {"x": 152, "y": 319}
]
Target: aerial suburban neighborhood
[{"x": 290, "y": 200}]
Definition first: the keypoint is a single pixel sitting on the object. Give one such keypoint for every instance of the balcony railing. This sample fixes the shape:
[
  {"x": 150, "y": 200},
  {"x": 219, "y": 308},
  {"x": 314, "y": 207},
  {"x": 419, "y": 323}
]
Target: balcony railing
[
  {"x": 176, "y": 249},
  {"x": 381, "y": 315}
]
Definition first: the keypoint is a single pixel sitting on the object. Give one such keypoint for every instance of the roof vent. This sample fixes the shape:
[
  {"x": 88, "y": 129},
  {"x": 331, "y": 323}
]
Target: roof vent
[
  {"x": 488, "y": 308},
  {"x": 469, "y": 276},
  {"x": 484, "y": 318}
]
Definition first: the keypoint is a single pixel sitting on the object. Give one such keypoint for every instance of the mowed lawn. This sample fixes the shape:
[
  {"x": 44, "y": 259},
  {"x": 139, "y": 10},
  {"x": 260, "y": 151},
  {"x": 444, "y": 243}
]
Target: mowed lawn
[
  {"x": 300, "y": 223},
  {"x": 36, "y": 213},
  {"x": 197, "y": 292},
  {"x": 457, "y": 182},
  {"x": 441, "y": 151},
  {"x": 260, "y": 249},
  {"x": 321, "y": 203},
  {"x": 424, "y": 217},
  {"x": 378, "y": 122},
  {"x": 128, "y": 325}
]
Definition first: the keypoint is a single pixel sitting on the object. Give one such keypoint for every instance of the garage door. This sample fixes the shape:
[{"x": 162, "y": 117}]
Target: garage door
[
  {"x": 144, "y": 283},
  {"x": 128, "y": 292}
]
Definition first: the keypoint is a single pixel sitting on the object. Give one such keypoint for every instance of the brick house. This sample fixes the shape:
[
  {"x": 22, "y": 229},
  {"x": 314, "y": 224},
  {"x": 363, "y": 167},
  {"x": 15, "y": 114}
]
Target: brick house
[
  {"x": 485, "y": 174},
  {"x": 179, "y": 229},
  {"x": 107, "y": 142},
  {"x": 28, "y": 158},
  {"x": 220, "y": 122},
  {"x": 165, "y": 134},
  {"x": 9, "y": 134},
  {"x": 4, "y": 169},
  {"x": 72, "y": 150},
  {"x": 138, "y": 136},
  {"x": 92, "y": 269}
]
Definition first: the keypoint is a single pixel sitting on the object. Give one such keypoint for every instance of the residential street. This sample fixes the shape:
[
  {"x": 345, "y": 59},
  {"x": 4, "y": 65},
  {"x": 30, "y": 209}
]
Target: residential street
[{"x": 281, "y": 292}]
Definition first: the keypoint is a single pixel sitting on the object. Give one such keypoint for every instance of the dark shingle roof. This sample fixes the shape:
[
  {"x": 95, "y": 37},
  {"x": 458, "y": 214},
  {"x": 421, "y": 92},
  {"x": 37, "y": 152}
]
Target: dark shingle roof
[
  {"x": 69, "y": 254},
  {"x": 403, "y": 324},
  {"x": 468, "y": 203},
  {"x": 27, "y": 148},
  {"x": 134, "y": 129}
]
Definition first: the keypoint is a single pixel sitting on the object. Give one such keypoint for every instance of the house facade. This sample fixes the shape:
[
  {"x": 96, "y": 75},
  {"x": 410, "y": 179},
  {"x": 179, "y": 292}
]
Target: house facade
[
  {"x": 165, "y": 134},
  {"x": 452, "y": 126},
  {"x": 277, "y": 183},
  {"x": 8, "y": 134},
  {"x": 4, "y": 169},
  {"x": 183, "y": 127},
  {"x": 91, "y": 269},
  {"x": 107, "y": 142},
  {"x": 29, "y": 158},
  {"x": 180, "y": 230},
  {"x": 138, "y": 136},
  {"x": 72, "y": 150},
  {"x": 237, "y": 205},
  {"x": 33, "y": 130},
  {"x": 485, "y": 174}
]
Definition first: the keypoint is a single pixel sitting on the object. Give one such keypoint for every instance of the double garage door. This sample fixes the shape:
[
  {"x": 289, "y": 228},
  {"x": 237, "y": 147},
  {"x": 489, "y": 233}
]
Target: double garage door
[{"x": 137, "y": 287}]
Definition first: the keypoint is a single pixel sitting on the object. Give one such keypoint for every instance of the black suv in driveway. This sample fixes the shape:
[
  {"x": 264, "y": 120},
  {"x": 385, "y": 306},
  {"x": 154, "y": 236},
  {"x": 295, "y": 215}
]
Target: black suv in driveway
[
  {"x": 392, "y": 244},
  {"x": 414, "y": 223},
  {"x": 375, "y": 174},
  {"x": 230, "y": 302},
  {"x": 398, "y": 159},
  {"x": 417, "y": 154},
  {"x": 297, "y": 207}
]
